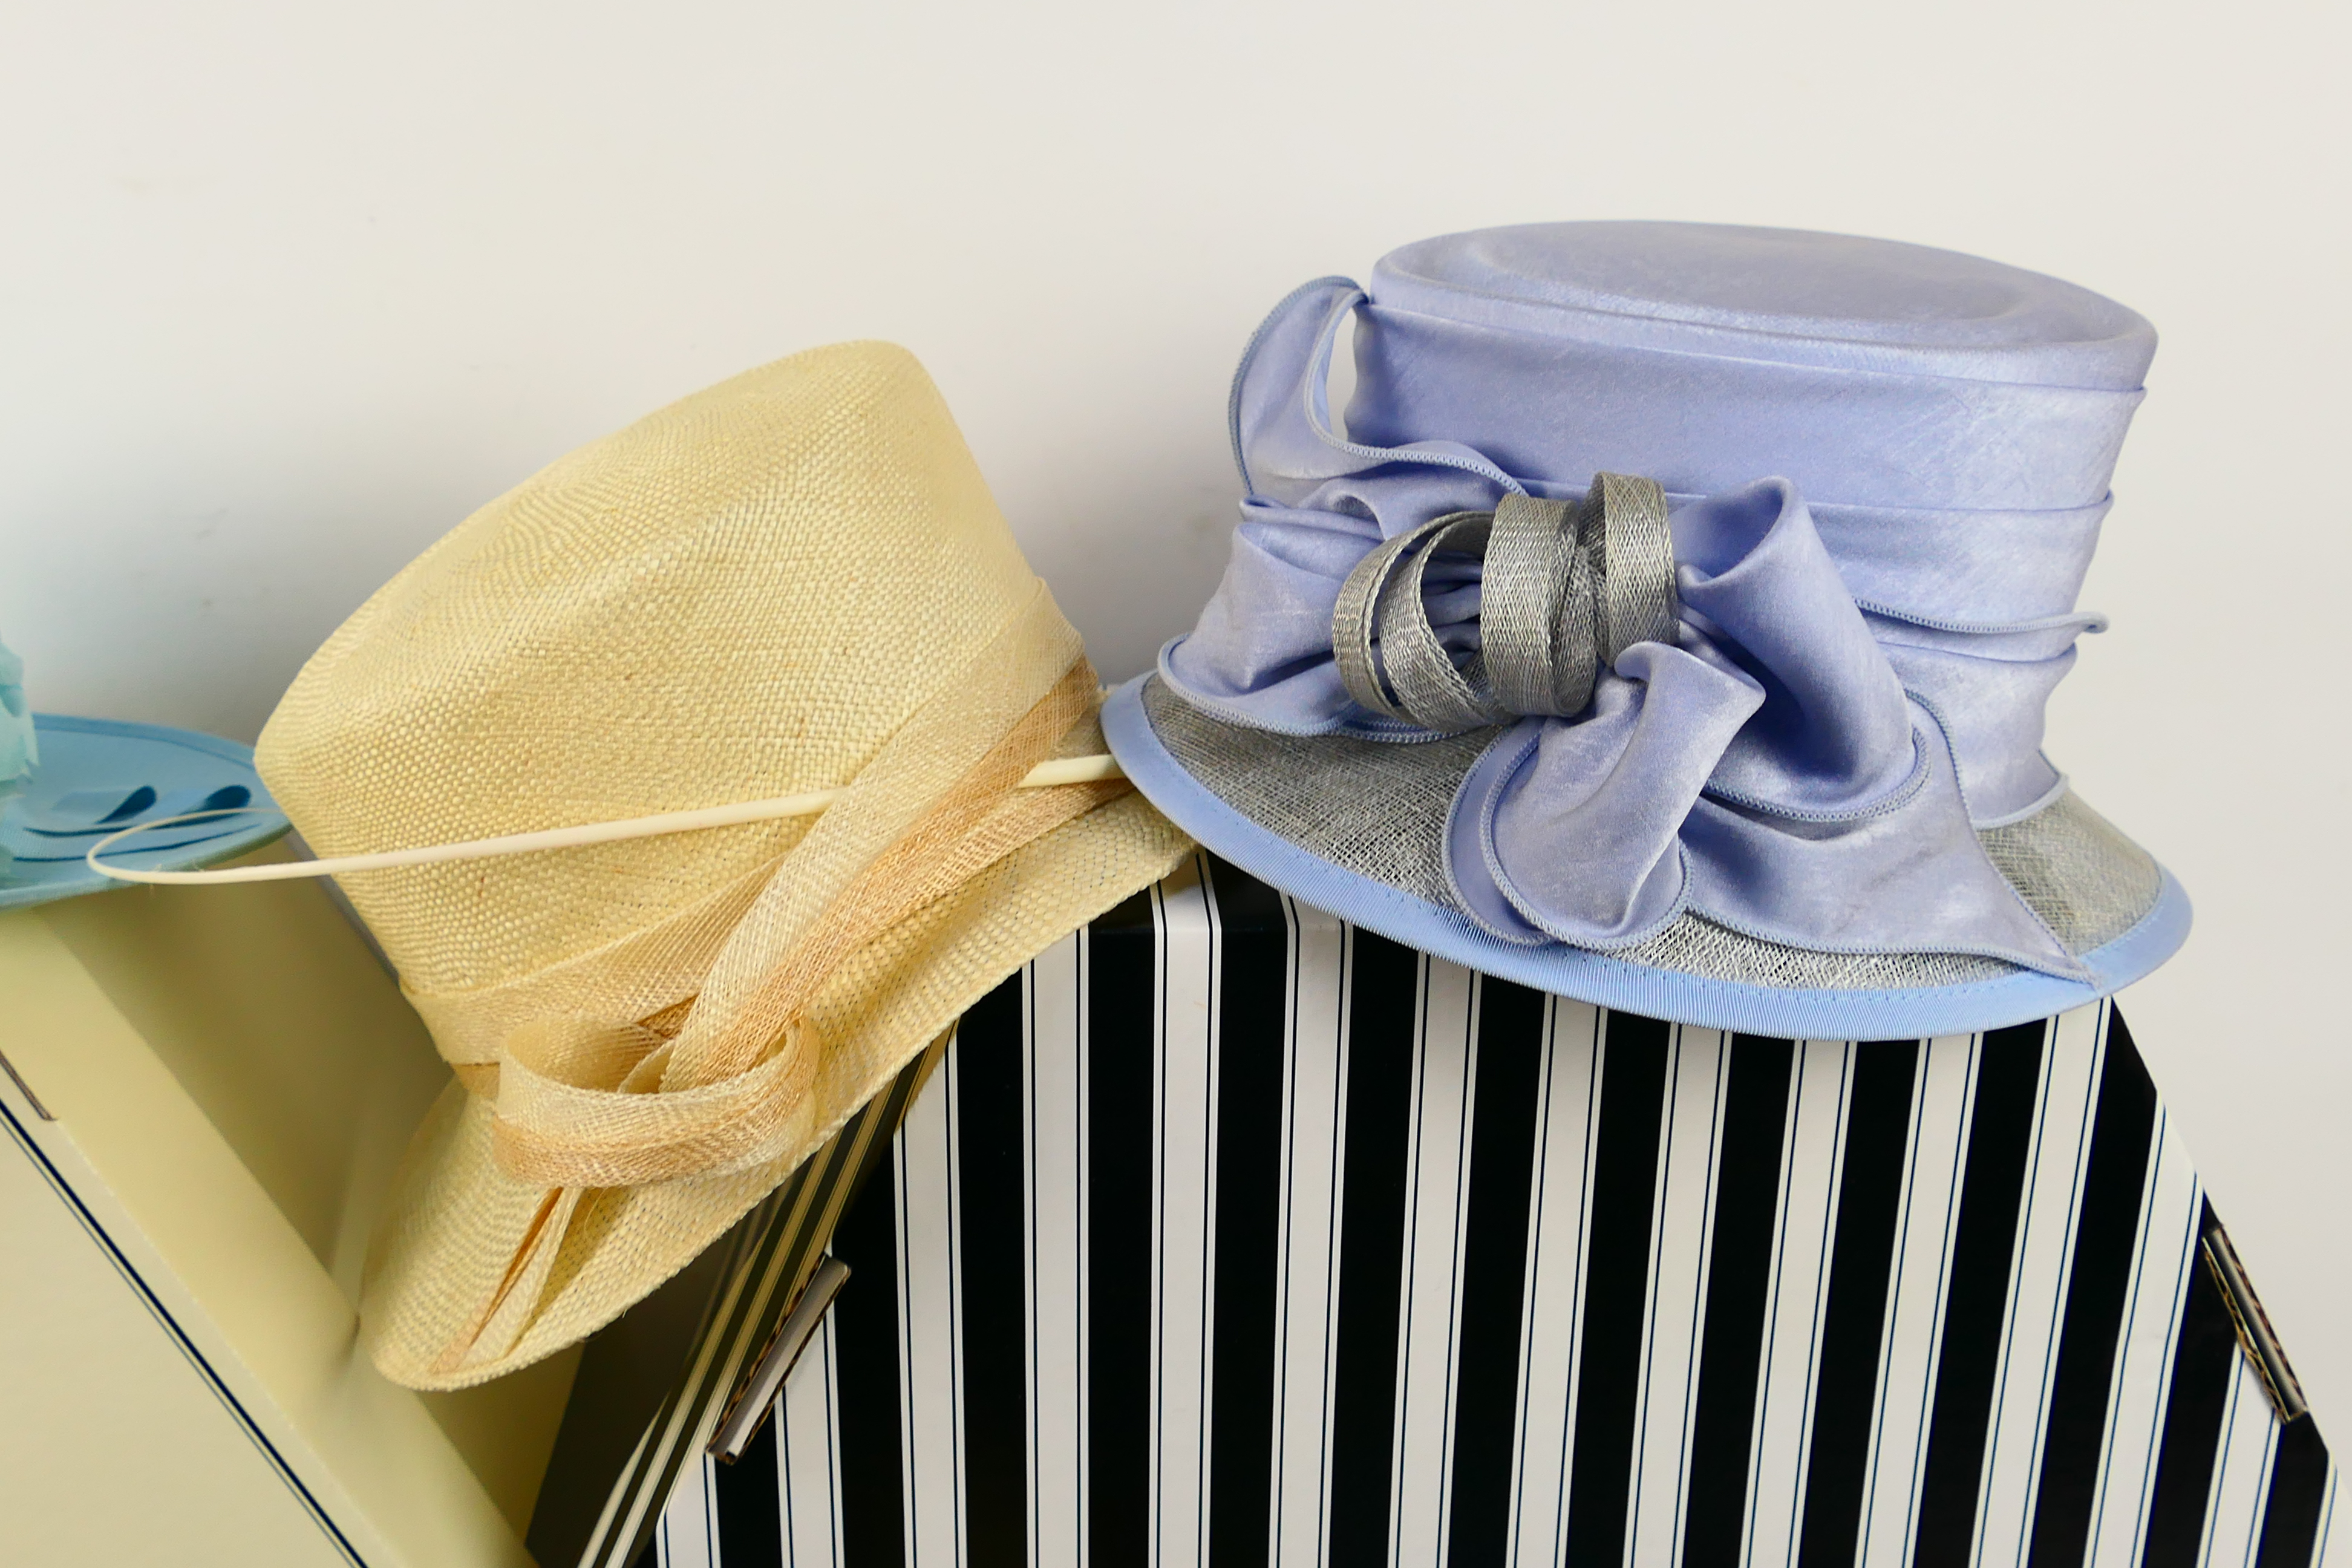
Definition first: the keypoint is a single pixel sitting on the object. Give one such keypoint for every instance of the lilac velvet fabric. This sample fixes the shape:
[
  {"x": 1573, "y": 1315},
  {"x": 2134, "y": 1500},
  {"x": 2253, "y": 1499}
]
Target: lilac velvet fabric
[{"x": 1889, "y": 467}]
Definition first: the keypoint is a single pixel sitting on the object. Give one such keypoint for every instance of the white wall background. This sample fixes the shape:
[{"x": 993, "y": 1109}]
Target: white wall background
[{"x": 287, "y": 290}]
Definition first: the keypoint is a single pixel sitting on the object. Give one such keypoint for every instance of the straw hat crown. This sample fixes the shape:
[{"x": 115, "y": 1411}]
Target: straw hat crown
[{"x": 751, "y": 589}]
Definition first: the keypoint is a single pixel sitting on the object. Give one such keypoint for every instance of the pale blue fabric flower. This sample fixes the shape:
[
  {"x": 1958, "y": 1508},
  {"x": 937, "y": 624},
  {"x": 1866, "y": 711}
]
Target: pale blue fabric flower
[{"x": 18, "y": 750}]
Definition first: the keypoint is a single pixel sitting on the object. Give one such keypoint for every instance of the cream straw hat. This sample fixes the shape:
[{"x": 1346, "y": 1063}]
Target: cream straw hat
[{"x": 795, "y": 581}]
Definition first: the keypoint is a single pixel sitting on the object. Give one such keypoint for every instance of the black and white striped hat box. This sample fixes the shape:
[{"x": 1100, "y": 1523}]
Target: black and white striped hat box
[{"x": 1227, "y": 1234}]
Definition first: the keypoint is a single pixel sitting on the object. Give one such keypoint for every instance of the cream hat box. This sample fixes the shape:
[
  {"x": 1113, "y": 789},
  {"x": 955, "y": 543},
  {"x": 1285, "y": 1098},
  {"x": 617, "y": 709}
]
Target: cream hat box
[{"x": 207, "y": 1091}]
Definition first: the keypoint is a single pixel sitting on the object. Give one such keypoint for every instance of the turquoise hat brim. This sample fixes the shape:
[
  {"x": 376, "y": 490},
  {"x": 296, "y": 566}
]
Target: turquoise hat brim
[{"x": 97, "y": 777}]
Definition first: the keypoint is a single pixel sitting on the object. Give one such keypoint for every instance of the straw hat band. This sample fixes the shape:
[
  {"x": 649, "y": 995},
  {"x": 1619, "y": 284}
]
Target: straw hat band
[
  {"x": 583, "y": 1105},
  {"x": 663, "y": 964},
  {"x": 1562, "y": 594}
]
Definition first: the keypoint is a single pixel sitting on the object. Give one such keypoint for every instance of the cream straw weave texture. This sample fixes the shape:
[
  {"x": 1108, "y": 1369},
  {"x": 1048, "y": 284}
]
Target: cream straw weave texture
[{"x": 796, "y": 580}]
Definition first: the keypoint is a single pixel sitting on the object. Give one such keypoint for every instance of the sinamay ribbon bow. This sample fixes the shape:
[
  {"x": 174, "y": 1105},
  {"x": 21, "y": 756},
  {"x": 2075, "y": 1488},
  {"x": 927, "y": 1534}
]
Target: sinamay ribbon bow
[
  {"x": 719, "y": 1080},
  {"x": 1563, "y": 593}
]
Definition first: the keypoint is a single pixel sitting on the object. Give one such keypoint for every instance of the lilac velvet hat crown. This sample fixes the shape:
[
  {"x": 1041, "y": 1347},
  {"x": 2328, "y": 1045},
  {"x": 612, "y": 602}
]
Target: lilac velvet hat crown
[{"x": 1670, "y": 627}]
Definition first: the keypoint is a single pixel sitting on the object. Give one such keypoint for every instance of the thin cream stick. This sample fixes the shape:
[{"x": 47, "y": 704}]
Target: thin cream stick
[{"x": 1045, "y": 775}]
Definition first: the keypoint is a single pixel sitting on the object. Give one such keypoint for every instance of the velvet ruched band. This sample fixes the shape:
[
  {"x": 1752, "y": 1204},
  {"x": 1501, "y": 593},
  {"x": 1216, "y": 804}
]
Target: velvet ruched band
[{"x": 1865, "y": 642}]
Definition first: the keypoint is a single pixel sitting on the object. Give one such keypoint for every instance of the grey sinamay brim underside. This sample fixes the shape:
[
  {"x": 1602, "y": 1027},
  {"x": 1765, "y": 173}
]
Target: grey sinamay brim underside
[{"x": 1379, "y": 809}]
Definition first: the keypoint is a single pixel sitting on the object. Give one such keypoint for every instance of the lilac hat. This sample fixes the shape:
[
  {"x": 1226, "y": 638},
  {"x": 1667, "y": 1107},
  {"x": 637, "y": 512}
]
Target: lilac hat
[{"x": 1670, "y": 627}]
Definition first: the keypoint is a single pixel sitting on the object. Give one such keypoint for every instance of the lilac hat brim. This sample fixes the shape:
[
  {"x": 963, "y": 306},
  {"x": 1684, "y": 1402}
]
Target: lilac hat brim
[{"x": 1790, "y": 1012}]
